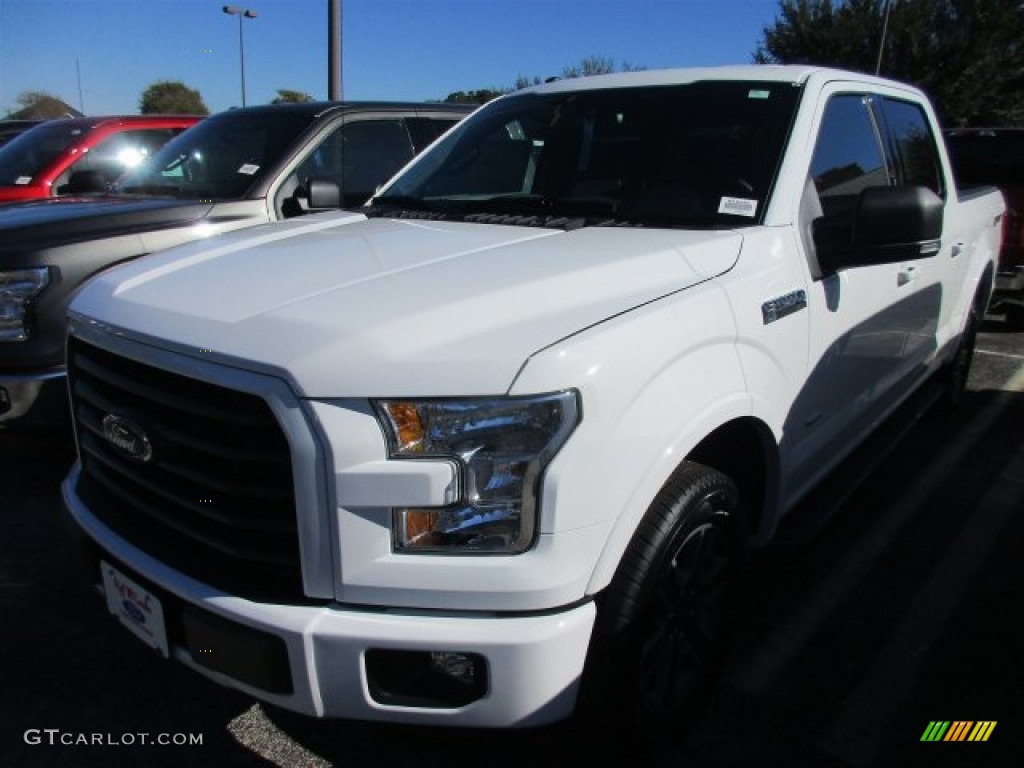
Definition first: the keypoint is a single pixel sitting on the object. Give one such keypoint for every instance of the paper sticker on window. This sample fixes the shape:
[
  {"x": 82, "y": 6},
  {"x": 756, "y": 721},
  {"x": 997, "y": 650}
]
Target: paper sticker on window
[
  {"x": 737, "y": 206},
  {"x": 248, "y": 169},
  {"x": 755, "y": 94},
  {"x": 23, "y": 180}
]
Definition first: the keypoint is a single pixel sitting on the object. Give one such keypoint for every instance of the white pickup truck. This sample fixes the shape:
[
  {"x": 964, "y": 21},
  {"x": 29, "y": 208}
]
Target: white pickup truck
[{"x": 454, "y": 457}]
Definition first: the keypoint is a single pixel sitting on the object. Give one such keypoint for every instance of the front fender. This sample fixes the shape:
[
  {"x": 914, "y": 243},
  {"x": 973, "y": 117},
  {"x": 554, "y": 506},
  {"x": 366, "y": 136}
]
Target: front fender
[{"x": 653, "y": 383}]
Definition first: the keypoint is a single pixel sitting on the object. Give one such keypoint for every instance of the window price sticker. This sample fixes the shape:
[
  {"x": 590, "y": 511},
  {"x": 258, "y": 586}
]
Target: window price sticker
[{"x": 737, "y": 206}]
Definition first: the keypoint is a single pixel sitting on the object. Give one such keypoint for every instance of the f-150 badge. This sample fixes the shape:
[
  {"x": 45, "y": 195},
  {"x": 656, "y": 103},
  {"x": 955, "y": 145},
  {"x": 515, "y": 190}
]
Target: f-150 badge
[{"x": 787, "y": 304}]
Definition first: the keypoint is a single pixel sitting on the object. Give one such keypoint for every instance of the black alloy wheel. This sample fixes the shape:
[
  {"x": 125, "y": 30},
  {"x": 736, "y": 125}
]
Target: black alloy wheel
[{"x": 665, "y": 623}]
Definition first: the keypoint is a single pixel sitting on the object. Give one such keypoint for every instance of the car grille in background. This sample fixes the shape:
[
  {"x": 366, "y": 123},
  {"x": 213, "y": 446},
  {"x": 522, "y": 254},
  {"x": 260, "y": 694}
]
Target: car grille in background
[{"x": 215, "y": 501}]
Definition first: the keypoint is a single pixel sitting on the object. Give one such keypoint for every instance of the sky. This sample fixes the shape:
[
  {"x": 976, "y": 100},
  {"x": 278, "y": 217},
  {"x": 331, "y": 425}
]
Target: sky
[{"x": 416, "y": 50}]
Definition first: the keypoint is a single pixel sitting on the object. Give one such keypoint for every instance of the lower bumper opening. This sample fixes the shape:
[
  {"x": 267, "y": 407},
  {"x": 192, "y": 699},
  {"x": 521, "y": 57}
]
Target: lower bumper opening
[
  {"x": 252, "y": 657},
  {"x": 425, "y": 679}
]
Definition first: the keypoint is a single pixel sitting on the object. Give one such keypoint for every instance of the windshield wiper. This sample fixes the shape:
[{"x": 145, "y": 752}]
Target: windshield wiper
[
  {"x": 407, "y": 203},
  {"x": 517, "y": 209},
  {"x": 533, "y": 205},
  {"x": 513, "y": 203},
  {"x": 586, "y": 206}
]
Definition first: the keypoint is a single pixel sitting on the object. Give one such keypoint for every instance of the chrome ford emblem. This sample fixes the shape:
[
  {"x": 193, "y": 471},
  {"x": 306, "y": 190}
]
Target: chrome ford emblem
[{"x": 127, "y": 436}]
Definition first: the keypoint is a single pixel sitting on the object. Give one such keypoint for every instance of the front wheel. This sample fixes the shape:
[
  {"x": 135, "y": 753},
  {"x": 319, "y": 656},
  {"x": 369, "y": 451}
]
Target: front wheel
[{"x": 665, "y": 620}]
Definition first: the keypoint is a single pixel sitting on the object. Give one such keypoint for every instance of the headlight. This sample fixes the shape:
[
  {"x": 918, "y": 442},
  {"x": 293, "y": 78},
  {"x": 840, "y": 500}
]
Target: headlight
[
  {"x": 501, "y": 446},
  {"x": 17, "y": 289}
]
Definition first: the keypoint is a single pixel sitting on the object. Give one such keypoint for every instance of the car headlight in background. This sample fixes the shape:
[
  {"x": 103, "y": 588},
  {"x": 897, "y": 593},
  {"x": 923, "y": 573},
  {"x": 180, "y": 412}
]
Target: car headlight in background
[
  {"x": 501, "y": 446},
  {"x": 17, "y": 289}
]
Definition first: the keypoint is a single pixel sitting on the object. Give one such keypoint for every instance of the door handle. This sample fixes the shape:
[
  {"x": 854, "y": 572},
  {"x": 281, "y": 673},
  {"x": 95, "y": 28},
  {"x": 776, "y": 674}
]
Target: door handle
[
  {"x": 906, "y": 275},
  {"x": 956, "y": 250}
]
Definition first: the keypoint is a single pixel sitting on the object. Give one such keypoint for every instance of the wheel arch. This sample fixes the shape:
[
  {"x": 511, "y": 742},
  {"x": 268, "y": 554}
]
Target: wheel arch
[
  {"x": 742, "y": 448},
  {"x": 986, "y": 285},
  {"x": 745, "y": 451}
]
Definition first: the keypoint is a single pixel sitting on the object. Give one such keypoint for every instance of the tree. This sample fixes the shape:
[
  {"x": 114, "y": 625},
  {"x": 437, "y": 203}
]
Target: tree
[
  {"x": 587, "y": 67},
  {"x": 287, "y": 96},
  {"x": 968, "y": 55},
  {"x": 591, "y": 65},
  {"x": 525, "y": 82},
  {"x": 480, "y": 96},
  {"x": 40, "y": 105},
  {"x": 171, "y": 97}
]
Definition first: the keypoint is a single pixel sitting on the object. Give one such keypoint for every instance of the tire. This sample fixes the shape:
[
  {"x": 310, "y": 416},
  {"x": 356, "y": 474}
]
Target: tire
[{"x": 664, "y": 622}]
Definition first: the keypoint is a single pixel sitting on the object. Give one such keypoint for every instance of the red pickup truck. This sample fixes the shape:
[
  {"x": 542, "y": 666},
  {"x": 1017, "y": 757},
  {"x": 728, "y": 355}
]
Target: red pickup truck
[
  {"x": 996, "y": 156},
  {"x": 81, "y": 154}
]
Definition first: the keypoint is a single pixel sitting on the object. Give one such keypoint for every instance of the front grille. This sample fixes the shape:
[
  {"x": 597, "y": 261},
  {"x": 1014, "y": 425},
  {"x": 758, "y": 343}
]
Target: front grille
[{"x": 215, "y": 498}]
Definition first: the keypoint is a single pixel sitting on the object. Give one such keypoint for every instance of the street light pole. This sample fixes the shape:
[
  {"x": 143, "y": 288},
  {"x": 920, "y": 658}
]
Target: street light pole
[{"x": 241, "y": 13}]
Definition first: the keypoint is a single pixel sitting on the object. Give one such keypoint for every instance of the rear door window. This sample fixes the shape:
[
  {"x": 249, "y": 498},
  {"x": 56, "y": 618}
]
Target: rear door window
[
  {"x": 425, "y": 130},
  {"x": 913, "y": 145}
]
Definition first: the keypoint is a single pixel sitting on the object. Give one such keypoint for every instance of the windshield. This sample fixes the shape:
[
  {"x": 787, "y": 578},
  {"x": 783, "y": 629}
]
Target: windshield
[
  {"x": 698, "y": 155},
  {"x": 220, "y": 158},
  {"x": 27, "y": 155}
]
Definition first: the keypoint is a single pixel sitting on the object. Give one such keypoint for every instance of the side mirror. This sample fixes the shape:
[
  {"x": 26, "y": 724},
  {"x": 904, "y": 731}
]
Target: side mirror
[
  {"x": 324, "y": 194},
  {"x": 887, "y": 225},
  {"x": 888, "y": 217}
]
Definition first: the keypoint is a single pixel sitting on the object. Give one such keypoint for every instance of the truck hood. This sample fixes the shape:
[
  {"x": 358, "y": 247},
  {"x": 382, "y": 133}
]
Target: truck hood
[
  {"x": 54, "y": 221},
  {"x": 345, "y": 306}
]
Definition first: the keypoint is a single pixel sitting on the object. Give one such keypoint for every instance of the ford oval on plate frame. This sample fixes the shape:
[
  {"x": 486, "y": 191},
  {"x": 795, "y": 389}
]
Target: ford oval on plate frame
[{"x": 136, "y": 607}]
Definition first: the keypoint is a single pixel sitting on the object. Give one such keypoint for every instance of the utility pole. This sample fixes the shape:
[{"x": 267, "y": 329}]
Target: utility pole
[
  {"x": 334, "y": 50},
  {"x": 81, "y": 101}
]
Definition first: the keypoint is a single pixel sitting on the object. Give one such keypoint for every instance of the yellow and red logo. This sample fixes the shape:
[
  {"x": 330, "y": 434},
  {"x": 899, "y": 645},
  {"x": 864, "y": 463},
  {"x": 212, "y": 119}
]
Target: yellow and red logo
[{"x": 958, "y": 730}]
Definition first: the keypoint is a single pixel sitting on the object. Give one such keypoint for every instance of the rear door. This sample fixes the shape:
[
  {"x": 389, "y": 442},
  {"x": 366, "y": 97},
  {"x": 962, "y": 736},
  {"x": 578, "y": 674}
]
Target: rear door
[{"x": 928, "y": 279}]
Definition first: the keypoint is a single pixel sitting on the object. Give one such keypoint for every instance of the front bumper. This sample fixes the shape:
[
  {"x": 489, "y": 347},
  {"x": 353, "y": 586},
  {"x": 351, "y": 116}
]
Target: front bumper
[
  {"x": 530, "y": 669},
  {"x": 37, "y": 399}
]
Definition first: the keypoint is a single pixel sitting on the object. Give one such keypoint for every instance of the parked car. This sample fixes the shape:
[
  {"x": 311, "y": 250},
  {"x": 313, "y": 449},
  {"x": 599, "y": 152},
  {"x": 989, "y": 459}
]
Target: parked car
[
  {"x": 81, "y": 154},
  {"x": 235, "y": 169},
  {"x": 996, "y": 156},
  {"x": 497, "y": 440},
  {"x": 11, "y": 128}
]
